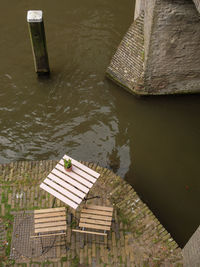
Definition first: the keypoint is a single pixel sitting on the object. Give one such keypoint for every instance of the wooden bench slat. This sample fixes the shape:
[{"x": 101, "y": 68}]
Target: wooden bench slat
[
  {"x": 66, "y": 185},
  {"x": 82, "y": 166},
  {"x": 104, "y": 208},
  {"x": 59, "y": 196},
  {"x": 98, "y": 227},
  {"x": 50, "y": 210},
  {"x": 50, "y": 229},
  {"x": 33, "y": 236},
  {"x": 84, "y": 220},
  {"x": 97, "y": 217},
  {"x": 63, "y": 191},
  {"x": 52, "y": 219},
  {"x": 70, "y": 180},
  {"x": 74, "y": 176},
  {"x": 50, "y": 215},
  {"x": 84, "y": 174},
  {"x": 50, "y": 224},
  {"x": 89, "y": 232},
  {"x": 105, "y": 213}
]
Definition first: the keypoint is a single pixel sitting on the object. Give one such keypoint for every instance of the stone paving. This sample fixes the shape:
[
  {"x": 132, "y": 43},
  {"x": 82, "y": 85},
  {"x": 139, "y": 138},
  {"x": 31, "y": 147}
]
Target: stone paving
[{"x": 137, "y": 238}]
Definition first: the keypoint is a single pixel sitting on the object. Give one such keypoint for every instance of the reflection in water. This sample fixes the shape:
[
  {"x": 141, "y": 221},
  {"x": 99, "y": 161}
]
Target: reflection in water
[
  {"x": 114, "y": 160},
  {"x": 152, "y": 142}
]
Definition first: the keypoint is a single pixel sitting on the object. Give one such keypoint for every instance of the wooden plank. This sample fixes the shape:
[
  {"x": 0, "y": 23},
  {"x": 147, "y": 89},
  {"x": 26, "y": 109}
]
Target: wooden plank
[
  {"x": 95, "y": 207},
  {"x": 50, "y": 224},
  {"x": 66, "y": 185},
  {"x": 50, "y": 229},
  {"x": 50, "y": 210},
  {"x": 49, "y": 215},
  {"x": 84, "y": 174},
  {"x": 88, "y": 232},
  {"x": 81, "y": 173},
  {"x": 85, "y": 220},
  {"x": 70, "y": 180},
  {"x": 33, "y": 236},
  {"x": 51, "y": 219},
  {"x": 63, "y": 191},
  {"x": 97, "y": 217},
  {"x": 59, "y": 196},
  {"x": 98, "y": 227},
  {"x": 74, "y": 176},
  {"x": 98, "y": 212},
  {"x": 82, "y": 166}
]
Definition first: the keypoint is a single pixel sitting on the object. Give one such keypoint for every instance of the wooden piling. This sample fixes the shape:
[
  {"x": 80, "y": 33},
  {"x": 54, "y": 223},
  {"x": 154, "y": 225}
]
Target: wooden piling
[{"x": 38, "y": 41}]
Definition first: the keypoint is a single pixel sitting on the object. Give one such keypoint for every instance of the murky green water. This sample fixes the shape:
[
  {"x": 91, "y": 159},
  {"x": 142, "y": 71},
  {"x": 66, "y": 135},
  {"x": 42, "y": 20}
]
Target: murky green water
[{"x": 152, "y": 142}]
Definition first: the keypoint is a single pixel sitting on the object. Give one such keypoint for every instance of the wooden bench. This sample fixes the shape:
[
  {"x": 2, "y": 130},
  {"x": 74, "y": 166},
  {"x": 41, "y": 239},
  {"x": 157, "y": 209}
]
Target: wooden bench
[
  {"x": 49, "y": 222},
  {"x": 97, "y": 218}
]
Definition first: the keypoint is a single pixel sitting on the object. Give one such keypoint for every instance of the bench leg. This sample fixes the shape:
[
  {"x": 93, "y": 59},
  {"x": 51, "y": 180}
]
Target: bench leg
[
  {"x": 42, "y": 245},
  {"x": 82, "y": 241},
  {"x": 66, "y": 247},
  {"x": 54, "y": 201},
  {"x": 106, "y": 242}
]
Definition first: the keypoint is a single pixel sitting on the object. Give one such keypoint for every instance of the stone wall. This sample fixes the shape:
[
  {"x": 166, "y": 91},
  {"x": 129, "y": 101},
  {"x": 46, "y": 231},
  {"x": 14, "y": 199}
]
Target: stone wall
[
  {"x": 173, "y": 63},
  {"x": 197, "y": 4},
  {"x": 127, "y": 65},
  {"x": 171, "y": 54},
  {"x": 148, "y": 20},
  {"x": 139, "y": 7},
  {"x": 191, "y": 251}
]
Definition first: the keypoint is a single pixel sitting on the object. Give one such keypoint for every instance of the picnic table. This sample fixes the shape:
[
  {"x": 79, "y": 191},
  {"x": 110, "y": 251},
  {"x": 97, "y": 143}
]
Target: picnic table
[{"x": 70, "y": 187}]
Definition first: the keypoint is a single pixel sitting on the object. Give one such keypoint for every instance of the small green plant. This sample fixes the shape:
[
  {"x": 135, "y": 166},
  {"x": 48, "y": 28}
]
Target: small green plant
[{"x": 67, "y": 163}]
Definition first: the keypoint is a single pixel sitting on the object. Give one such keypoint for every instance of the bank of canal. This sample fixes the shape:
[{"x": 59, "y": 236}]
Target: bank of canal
[{"x": 137, "y": 238}]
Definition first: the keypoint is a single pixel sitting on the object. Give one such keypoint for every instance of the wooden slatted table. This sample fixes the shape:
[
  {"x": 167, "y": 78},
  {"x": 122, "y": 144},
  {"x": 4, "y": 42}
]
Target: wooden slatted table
[
  {"x": 96, "y": 218},
  {"x": 70, "y": 187}
]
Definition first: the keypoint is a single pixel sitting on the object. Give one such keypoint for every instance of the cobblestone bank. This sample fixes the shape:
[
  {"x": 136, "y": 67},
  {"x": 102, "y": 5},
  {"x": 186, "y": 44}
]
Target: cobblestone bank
[{"x": 137, "y": 238}]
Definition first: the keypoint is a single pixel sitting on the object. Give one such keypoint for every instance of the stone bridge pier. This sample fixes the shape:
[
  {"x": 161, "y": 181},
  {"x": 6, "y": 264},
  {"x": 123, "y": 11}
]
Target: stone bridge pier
[{"x": 160, "y": 53}]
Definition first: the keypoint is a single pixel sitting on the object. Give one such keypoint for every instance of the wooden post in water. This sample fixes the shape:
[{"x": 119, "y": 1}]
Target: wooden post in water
[{"x": 38, "y": 41}]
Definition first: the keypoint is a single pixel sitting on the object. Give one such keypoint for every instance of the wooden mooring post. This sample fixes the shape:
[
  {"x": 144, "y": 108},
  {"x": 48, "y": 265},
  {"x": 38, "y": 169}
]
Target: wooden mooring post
[{"x": 38, "y": 41}]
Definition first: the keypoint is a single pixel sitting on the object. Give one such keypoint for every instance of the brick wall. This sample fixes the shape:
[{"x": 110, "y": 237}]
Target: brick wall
[{"x": 126, "y": 66}]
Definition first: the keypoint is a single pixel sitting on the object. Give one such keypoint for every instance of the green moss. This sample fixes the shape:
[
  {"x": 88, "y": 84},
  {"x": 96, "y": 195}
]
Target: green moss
[
  {"x": 142, "y": 55},
  {"x": 75, "y": 262},
  {"x": 46, "y": 263},
  {"x": 3, "y": 197},
  {"x": 63, "y": 259}
]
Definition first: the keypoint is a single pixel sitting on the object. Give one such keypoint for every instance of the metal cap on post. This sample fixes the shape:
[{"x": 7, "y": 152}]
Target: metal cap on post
[
  {"x": 38, "y": 41},
  {"x": 34, "y": 16}
]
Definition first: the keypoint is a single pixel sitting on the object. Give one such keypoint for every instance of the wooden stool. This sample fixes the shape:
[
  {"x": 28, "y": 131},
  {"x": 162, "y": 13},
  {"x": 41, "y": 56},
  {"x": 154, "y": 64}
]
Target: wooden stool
[
  {"x": 97, "y": 218},
  {"x": 49, "y": 222}
]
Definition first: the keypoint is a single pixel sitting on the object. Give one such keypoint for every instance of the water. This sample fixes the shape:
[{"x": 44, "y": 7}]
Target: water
[{"x": 151, "y": 142}]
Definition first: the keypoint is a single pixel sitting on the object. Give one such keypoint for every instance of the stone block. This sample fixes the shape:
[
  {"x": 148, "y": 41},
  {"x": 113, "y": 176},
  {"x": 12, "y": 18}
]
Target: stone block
[{"x": 160, "y": 52}]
